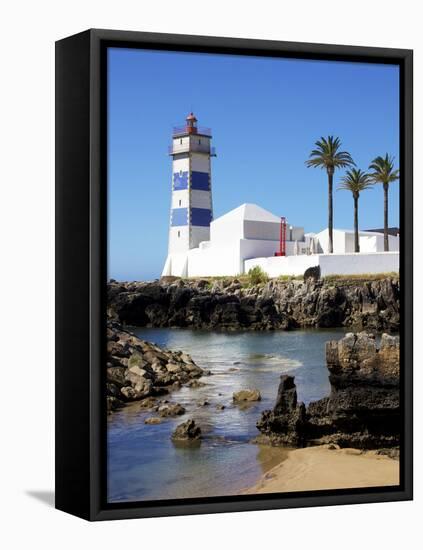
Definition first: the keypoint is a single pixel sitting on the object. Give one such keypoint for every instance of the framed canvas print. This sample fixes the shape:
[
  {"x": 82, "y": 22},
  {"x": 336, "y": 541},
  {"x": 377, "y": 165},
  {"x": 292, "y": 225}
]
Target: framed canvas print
[{"x": 234, "y": 274}]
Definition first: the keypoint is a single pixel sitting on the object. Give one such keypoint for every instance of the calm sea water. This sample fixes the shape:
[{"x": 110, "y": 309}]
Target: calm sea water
[{"x": 144, "y": 464}]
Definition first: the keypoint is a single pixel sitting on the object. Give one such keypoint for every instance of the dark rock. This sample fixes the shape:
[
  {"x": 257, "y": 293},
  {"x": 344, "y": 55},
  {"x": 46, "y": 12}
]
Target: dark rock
[
  {"x": 187, "y": 431},
  {"x": 113, "y": 403},
  {"x": 362, "y": 305},
  {"x": 112, "y": 390},
  {"x": 285, "y": 424},
  {"x": 131, "y": 394},
  {"x": 149, "y": 403},
  {"x": 137, "y": 369},
  {"x": 362, "y": 410},
  {"x": 312, "y": 273},
  {"x": 116, "y": 375},
  {"x": 171, "y": 409},
  {"x": 195, "y": 384}
]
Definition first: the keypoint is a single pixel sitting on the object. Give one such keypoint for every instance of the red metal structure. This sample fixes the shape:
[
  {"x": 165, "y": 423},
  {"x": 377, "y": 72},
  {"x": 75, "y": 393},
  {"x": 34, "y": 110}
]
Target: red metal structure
[
  {"x": 191, "y": 128},
  {"x": 282, "y": 238}
]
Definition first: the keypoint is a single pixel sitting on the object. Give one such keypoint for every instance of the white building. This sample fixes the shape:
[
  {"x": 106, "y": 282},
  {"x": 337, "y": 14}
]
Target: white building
[
  {"x": 250, "y": 236},
  {"x": 245, "y": 232},
  {"x": 343, "y": 241}
]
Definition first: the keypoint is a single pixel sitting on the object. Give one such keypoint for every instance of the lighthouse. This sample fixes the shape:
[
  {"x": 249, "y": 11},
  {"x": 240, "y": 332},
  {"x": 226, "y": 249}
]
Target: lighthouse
[{"x": 191, "y": 205}]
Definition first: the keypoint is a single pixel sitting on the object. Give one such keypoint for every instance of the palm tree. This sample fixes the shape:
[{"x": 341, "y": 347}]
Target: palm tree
[
  {"x": 328, "y": 156},
  {"x": 383, "y": 172},
  {"x": 356, "y": 181}
]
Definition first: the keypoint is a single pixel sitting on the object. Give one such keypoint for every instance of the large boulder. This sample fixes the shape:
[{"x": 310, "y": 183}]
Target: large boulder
[
  {"x": 187, "y": 431},
  {"x": 312, "y": 273},
  {"x": 356, "y": 358},
  {"x": 171, "y": 409},
  {"x": 246, "y": 395}
]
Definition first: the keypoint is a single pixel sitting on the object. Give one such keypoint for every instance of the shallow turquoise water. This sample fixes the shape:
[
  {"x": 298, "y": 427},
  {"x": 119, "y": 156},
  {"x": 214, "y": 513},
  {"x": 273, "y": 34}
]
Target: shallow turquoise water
[{"x": 144, "y": 464}]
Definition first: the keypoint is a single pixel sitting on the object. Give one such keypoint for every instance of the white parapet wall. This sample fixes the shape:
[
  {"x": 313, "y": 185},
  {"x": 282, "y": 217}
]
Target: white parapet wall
[{"x": 330, "y": 264}]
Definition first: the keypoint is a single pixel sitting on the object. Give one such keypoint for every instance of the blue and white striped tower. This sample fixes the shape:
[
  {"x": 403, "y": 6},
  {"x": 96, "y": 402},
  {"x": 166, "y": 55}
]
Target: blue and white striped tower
[{"x": 191, "y": 206}]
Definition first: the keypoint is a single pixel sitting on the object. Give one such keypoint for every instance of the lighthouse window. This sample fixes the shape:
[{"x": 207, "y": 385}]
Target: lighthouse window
[
  {"x": 179, "y": 233},
  {"x": 180, "y": 141},
  {"x": 180, "y": 202},
  {"x": 199, "y": 142}
]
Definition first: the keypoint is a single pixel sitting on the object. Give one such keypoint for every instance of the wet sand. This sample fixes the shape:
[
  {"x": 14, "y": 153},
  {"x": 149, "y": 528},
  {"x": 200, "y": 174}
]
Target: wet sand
[{"x": 317, "y": 468}]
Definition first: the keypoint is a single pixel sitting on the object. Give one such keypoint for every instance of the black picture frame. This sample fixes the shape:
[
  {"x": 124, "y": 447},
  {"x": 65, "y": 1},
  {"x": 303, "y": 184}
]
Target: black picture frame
[{"x": 81, "y": 201}]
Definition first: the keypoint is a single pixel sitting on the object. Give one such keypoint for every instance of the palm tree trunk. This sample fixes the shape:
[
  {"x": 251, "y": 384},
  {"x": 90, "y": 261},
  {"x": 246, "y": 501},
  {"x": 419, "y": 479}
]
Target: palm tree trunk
[
  {"x": 330, "y": 211},
  {"x": 385, "y": 218},
  {"x": 356, "y": 239}
]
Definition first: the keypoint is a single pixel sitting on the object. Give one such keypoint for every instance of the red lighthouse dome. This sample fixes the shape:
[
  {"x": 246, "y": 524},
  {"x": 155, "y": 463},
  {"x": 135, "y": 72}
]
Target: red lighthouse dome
[{"x": 191, "y": 127}]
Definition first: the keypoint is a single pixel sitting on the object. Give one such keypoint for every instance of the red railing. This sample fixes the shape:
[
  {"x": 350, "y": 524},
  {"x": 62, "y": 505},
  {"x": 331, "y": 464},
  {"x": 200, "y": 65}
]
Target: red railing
[{"x": 191, "y": 130}]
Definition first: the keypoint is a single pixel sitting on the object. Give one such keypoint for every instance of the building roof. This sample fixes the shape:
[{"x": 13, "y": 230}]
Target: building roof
[
  {"x": 251, "y": 212},
  {"x": 393, "y": 231}
]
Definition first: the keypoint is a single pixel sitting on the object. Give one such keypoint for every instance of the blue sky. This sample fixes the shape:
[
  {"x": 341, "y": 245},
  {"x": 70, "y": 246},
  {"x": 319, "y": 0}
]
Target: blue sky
[{"x": 265, "y": 116}]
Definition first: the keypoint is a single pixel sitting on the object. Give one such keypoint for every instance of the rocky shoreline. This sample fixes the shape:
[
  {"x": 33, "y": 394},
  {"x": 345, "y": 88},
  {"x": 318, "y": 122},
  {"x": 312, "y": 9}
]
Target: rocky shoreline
[
  {"x": 140, "y": 371},
  {"x": 362, "y": 410},
  {"x": 230, "y": 304}
]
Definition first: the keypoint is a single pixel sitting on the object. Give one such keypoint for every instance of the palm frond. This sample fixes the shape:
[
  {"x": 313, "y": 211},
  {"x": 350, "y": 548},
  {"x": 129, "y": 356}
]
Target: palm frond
[
  {"x": 383, "y": 170},
  {"x": 327, "y": 155},
  {"x": 355, "y": 180}
]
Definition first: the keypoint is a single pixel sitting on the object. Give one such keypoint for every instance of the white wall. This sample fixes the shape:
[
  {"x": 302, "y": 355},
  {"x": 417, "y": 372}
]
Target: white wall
[
  {"x": 179, "y": 164},
  {"x": 226, "y": 228},
  {"x": 180, "y": 145},
  {"x": 330, "y": 264},
  {"x": 198, "y": 234},
  {"x": 282, "y": 265},
  {"x": 178, "y": 238},
  {"x": 251, "y": 248},
  {"x": 212, "y": 261},
  {"x": 176, "y": 265},
  {"x": 233, "y": 257},
  {"x": 356, "y": 264},
  {"x": 181, "y": 195},
  {"x": 270, "y": 231},
  {"x": 375, "y": 243},
  {"x": 343, "y": 241}
]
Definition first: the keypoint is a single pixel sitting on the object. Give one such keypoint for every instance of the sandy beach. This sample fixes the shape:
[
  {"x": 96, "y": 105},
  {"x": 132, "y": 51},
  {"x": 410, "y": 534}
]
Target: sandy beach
[{"x": 316, "y": 468}]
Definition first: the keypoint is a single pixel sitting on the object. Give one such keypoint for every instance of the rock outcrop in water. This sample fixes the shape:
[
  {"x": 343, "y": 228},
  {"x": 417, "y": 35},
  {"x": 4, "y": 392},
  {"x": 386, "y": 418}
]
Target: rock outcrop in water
[
  {"x": 229, "y": 305},
  {"x": 137, "y": 369},
  {"x": 246, "y": 395},
  {"x": 187, "y": 431},
  {"x": 362, "y": 410},
  {"x": 284, "y": 425}
]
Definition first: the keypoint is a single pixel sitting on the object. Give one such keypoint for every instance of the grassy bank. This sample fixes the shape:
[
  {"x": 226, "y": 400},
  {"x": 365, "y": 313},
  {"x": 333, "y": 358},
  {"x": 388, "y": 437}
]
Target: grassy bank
[{"x": 259, "y": 277}]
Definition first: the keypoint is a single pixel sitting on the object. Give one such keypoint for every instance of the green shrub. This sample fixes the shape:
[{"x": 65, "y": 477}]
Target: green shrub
[{"x": 257, "y": 276}]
